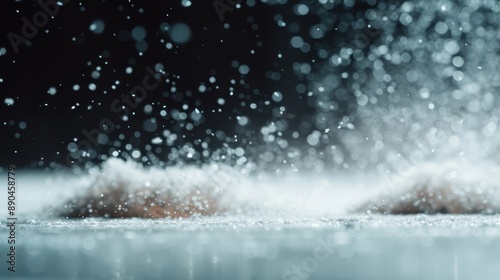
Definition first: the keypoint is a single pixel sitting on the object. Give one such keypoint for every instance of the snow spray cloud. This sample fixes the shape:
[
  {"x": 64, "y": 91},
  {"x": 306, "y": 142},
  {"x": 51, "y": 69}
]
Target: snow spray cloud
[
  {"x": 84, "y": 148},
  {"x": 427, "y": 77},
  {"x": 39, "y": 20}
]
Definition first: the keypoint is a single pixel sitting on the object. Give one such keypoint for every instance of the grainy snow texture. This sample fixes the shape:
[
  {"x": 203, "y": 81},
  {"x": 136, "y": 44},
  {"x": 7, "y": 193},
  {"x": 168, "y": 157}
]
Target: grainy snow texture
[
  {"x": 238, "y": 247},
  {"x": 449, "y": 187},
  {"x": 124, "y": 190}
]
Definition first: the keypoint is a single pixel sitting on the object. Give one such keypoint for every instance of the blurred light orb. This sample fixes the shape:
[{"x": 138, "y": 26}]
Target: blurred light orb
[{"x": 180, "y": 33}]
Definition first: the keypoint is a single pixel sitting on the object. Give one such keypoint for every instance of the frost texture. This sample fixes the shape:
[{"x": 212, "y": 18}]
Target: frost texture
[
  {"x": 124, "y": 190},
  {"x": 441, "y": 188}
]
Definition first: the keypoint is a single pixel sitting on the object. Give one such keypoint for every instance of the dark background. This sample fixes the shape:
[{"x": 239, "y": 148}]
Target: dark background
[
  {"x": 55, "y": 60},
  {"x": 65, "y": 52}
]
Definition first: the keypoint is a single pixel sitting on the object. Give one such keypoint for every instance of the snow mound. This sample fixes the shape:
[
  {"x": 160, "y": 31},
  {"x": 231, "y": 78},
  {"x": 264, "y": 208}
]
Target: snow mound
[
  {"x": 125, "y": 190},
  {"x": 447, "y": 188}
]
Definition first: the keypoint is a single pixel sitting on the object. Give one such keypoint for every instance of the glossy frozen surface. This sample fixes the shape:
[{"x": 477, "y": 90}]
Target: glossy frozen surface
[{"x": 349, "y": 247}]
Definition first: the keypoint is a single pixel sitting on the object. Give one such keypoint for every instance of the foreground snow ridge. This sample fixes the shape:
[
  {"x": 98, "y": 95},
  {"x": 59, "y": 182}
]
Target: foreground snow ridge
[
  {"x": 127, "y": 190},
  {"x": 445, "y": 188}
]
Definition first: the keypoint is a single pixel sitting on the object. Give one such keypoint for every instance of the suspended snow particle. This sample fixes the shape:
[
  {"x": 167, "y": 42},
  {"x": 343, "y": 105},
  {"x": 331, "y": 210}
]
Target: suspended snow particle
[
  {"x": 156, "y": 140},
  {"x": 9, "y": 101},
  {"x": 242, "y": 120},
  {"x": 202, "y": 88},
  {"x": 362, "y": 100},
  {"x": 441, "y": 28},
  {"x": 302, "y": 9},
  {"x": 458, "y": 75},
  {"x": 22, "y": 125},
  {"x": 148, "y": 109},
  {"x": 92, "y": 86},
  {"x": 296, "y": 42},
  {"x": 129, "y": 70},
  {"x": 97, "y": 26},
  {"x": 52, "y": 91},
  {"x": 277, "y": 96},
  {"x": 138, "y": 33},
  {"x": 159, "y": 67},
  {"x": 164, "y": 26},
  {"x": 458, "y": 61},
  {"x": 412, "y": 76},
  {"x": 424, "y": 93},
  {"x": 196, "y": 115},
  {"x": 136, "y": 154},
  {"x": 239, "y": 151},
  {"x": 180, "y": 33},
  {"x": 491, "y": 126},
  {"x": 452, "y": 47},
  {"x": 95, "y": 74},
  {"x": 76, "y": 87},
  {"x": 405, "y": 19},
  {"x": 150, "y": 125},
  {"x": 305, "y": 68},
  {"x": 235, "y": 64},
  {"x": 349, "y": 3},
  {"x": 313, "y": 138},
  {"x": 3, "y": 51},
  {"x": 317, "y": 31}
]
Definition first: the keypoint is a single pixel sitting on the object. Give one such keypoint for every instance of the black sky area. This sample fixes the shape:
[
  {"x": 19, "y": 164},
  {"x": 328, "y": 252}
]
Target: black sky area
[{"x": 55, "y": 59}]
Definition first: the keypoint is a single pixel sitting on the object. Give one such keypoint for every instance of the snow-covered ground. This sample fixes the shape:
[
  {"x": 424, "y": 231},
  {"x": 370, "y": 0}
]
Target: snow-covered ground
[{"x": 290, "y": 227}]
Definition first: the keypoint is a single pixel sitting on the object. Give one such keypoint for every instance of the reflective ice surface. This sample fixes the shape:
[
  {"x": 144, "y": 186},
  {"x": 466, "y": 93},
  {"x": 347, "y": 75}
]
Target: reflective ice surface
[{"x": 351, "y": 247}]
